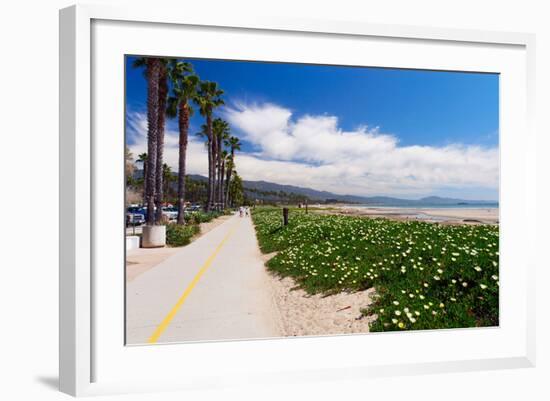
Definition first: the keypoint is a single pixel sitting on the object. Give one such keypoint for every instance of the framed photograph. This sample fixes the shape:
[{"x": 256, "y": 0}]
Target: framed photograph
[{"x": 272, "y": 200}]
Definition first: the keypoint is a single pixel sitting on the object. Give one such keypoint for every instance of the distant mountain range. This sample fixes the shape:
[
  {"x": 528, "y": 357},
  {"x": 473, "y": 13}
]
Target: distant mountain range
[
  {"x": 269, "y": 191},
  {"x": 266, "y": 190}
]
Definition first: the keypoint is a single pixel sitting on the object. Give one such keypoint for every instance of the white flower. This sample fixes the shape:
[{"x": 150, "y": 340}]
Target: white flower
[
  {"x": 441, "y": 305},
  {"x": 494, "y": 277},
  {"x": 396, "y": 303},
  {"x": 440, "y": 271},
  {"x": 465, "y": 284},
  {"x": 477, "y": 268},
  {"x": 417, "y": 313},
  {"x": 483, "y": 286},
  {"x": 397, "y": 312},
  {"x": 394, "y": 321}
]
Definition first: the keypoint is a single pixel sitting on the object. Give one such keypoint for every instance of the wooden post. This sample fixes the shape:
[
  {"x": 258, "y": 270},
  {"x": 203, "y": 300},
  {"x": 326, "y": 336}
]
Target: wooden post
[
  {"x": 306, "y": 206},
  {"x": 285, "y": 216}
]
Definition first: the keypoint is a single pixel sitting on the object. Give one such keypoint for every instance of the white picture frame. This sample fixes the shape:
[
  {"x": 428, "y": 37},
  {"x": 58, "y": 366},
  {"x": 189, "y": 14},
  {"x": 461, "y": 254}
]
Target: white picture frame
[{"x": 84, "y": 349}]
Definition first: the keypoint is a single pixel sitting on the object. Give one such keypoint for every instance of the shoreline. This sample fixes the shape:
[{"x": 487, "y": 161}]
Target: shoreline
[{"x": 447, "y": 215}]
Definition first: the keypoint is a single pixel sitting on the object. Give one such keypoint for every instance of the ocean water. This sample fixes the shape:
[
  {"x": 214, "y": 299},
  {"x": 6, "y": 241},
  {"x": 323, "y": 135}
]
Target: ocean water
[{"x": 414, "y": 205}]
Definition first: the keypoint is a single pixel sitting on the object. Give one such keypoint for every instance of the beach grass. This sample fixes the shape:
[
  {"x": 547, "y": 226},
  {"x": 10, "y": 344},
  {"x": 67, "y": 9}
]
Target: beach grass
[{"x": 426, "y": 275}]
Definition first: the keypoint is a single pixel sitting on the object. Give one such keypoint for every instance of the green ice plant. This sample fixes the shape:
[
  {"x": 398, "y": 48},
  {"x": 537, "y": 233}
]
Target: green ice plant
[{"x": 426, "y": 275}]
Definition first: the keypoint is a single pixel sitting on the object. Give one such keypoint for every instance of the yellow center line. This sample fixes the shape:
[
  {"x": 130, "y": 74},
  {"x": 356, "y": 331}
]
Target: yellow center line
[{"x": 166, "y": 322}]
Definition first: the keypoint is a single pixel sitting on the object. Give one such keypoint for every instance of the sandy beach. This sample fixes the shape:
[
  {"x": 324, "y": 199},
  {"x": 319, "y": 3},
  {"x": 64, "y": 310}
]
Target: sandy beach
[
  {"x": 302, "y": 314},
  {"x": 443, "y": 215}
]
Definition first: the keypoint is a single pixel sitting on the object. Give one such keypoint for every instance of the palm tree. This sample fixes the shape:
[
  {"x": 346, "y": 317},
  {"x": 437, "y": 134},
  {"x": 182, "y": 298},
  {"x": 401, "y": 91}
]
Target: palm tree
[
  {"x": 233, "y": 144},
  {"x": 208, "y": 98},
  {"x": 224, "y": 159},
  {"x": 163, "y": 98},
  {"x": 153, "y": 74},
  {"x": 236, "y": 189},
  {"x": 167, "y": 178},
  {"x": 184, "y": 89},
  {"x": 221, "y": 133},
  {"x": 142, "y": 158},
  {"x": 128, "y": 166}
]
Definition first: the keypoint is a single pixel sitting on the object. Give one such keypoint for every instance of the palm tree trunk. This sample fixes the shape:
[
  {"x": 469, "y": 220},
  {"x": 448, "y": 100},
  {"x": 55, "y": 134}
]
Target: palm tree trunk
[
  {"x": 144, "y": 181},
  {"x": 210, "y": 161},
  {"x": 153, "y": 70},
  {"x": 228, "y": 177},
  {"x": 163, "y": 93},
  {"x": 184, "y": 129},
  {"x": 215, "y": 178},
  {"x": 222, "y": 175}
]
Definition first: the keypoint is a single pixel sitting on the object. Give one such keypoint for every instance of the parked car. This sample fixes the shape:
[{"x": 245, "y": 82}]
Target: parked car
[
  {"x": 170, "y": 212},
  {"x": 194, "y": 208},
  {"x": 134, "y": 217}
]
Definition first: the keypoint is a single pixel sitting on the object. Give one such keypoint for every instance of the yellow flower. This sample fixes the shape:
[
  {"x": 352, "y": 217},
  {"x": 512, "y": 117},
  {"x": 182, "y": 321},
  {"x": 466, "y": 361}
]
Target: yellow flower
[{"x": 401, "y": 325}]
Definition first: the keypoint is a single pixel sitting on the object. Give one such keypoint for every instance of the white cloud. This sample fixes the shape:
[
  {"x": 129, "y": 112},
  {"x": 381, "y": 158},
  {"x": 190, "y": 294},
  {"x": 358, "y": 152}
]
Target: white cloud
[
  {"x": 362, "y": 161},
  {"x": 197, "y": 156},
  {"x": 312, "y": 151}
]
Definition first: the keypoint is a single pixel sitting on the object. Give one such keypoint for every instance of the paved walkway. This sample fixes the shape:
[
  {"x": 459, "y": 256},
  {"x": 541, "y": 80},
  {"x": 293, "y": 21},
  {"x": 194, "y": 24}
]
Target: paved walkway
[{"x": 216, "y": 288}]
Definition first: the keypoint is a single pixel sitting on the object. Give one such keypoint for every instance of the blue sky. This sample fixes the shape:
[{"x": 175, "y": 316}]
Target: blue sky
[{"x": 419, "y": 118}]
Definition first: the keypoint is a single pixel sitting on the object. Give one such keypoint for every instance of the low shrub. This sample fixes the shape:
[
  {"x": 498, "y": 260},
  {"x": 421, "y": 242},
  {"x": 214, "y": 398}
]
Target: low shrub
[
  {"x": 203, "y": 217},
  {"x": 179, "y": 235},
  {"x": 426, "y": 275}
]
